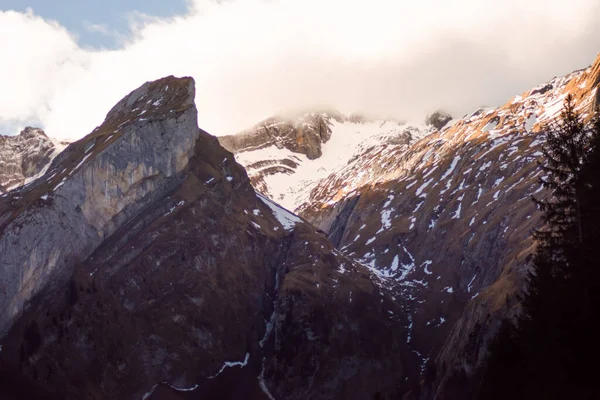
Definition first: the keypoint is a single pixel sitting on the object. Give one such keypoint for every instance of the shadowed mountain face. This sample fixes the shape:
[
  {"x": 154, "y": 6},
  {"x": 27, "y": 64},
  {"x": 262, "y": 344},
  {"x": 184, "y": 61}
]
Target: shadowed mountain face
[
  {"x": 444, "y": 221},
  {"x": 142, "y": 264}
]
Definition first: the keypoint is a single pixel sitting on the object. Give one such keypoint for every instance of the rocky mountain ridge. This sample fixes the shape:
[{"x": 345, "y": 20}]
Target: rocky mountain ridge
[
  {"x": 142, "y": 264},
  {"x": 458, "y": 206}
]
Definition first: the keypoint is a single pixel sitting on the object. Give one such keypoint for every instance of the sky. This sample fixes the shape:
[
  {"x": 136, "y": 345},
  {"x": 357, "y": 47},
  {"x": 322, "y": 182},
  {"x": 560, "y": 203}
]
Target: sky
[
  {"x": 97, "y": 24},
  {"x": 65, "y": 63}
]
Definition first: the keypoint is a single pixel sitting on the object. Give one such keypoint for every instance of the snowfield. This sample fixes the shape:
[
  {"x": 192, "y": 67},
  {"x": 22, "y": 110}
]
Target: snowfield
[{"x": 348, "y": 140}]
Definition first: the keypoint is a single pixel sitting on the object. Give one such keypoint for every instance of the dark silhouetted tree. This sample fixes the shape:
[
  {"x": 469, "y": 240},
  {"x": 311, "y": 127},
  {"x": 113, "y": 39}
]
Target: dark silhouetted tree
[{"x": 547, "y": 353}]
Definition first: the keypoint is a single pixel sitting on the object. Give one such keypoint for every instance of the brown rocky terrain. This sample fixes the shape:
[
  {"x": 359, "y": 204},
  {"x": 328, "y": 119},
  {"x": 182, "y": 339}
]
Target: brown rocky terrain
[{"x": 142, "y": 264}]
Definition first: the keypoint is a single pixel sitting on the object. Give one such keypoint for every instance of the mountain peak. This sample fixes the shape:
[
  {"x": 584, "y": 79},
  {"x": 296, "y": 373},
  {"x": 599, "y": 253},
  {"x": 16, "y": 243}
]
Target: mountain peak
[
  {"x": 24, "y": 156},
  {"x": 144, "y": 245},
  {"x": 30, "y": 131},
  {"x": 438, "y": 119},
  {"x": 146, "y": 140},
  {"x": 154, "y": 99}
]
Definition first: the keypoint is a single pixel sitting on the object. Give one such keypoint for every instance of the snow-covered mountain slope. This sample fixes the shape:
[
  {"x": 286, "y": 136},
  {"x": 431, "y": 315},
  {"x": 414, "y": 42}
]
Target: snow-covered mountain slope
[
  {"x": 25, "y": 156},
  {"x": 282, "y": 166},
  {"x": 490, "y": 129},
  {"x": 447, "y": 223},
  {"x": 442, "y": 218}
]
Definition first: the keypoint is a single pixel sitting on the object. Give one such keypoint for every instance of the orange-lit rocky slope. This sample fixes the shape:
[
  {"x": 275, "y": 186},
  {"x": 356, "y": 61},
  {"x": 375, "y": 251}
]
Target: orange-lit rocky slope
[
  {"x": 448, "y": 223},
  {"x": 445, "y": 223}
]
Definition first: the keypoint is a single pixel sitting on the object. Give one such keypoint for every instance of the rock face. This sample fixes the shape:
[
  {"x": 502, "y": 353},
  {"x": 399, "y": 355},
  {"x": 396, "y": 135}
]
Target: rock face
[
  {"x": 438, "y": 119},
  {"x": 304, "y": 134},
  {"x": 143, "y": 264},
  {"x": 90, "y": 189},
  {"x": 24, "y": 156}
]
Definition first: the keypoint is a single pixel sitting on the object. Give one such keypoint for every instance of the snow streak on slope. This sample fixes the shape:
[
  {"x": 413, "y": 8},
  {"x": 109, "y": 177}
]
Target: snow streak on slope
[
  {"x": 348, "y": 140},
  {"x": 285, "y": 218}
]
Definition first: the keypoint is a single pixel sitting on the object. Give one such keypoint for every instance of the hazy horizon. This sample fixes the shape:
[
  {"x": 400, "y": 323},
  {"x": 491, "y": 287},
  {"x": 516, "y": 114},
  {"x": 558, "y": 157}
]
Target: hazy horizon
[{"x": 252, "y": 59}]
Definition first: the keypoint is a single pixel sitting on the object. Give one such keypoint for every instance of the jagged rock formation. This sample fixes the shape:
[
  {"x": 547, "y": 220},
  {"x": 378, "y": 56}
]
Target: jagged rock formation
[
  {"x": 304, "y": 134},
  {"x": 88, "y": 190},
  {"x": 24, "y": 156},
  {"x": 292, "y": 137},
  {"x": 438, "y": 119},
  {"x": 445, "y": 223},
  {"x": 142, "y": 264}
]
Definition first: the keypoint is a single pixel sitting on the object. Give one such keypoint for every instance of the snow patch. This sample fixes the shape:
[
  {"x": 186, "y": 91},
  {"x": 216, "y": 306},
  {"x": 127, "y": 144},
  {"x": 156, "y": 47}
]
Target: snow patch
[
  {"x": 423, "y": 187},
  {"x": 458, "y": 210},
  {"x": 470, "y": 285},
  {"x": 451, "y": 168},
  {"x": 229, "y": 364},
  {"x": 426, "y": 265},
  {"x": 285, "y": 218}
]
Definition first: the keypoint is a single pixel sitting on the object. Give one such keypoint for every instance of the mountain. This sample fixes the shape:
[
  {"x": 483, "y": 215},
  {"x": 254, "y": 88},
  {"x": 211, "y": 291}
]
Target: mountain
[
  {"x": 24, "y": 156},
  {"x": 145, "y": 261},
  {"x": 143, "y": 264},
  {"x": 287, "y": 156},
  {"x": 444, "y": 219}
]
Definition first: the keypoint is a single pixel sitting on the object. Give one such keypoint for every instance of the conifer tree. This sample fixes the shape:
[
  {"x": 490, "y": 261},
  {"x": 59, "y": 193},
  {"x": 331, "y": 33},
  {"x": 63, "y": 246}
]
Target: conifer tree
[{"x": 545, "y": 354}]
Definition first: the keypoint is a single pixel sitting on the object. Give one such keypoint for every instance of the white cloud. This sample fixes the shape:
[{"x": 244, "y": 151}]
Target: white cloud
[
  {"x": 96, "y": 28},
  {"x": 253, "y": 58}
]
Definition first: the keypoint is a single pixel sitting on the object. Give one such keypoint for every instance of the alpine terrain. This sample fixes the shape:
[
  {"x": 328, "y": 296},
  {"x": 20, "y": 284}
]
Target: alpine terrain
[
  {"x": 315, "y": 255},
  {"x": 142, "y": 264},
  {"x": 442, "y": 216}
]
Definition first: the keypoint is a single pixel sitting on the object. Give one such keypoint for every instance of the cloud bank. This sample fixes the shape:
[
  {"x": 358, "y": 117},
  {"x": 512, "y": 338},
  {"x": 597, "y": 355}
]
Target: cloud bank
[{"x": 252, "y": 59}]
